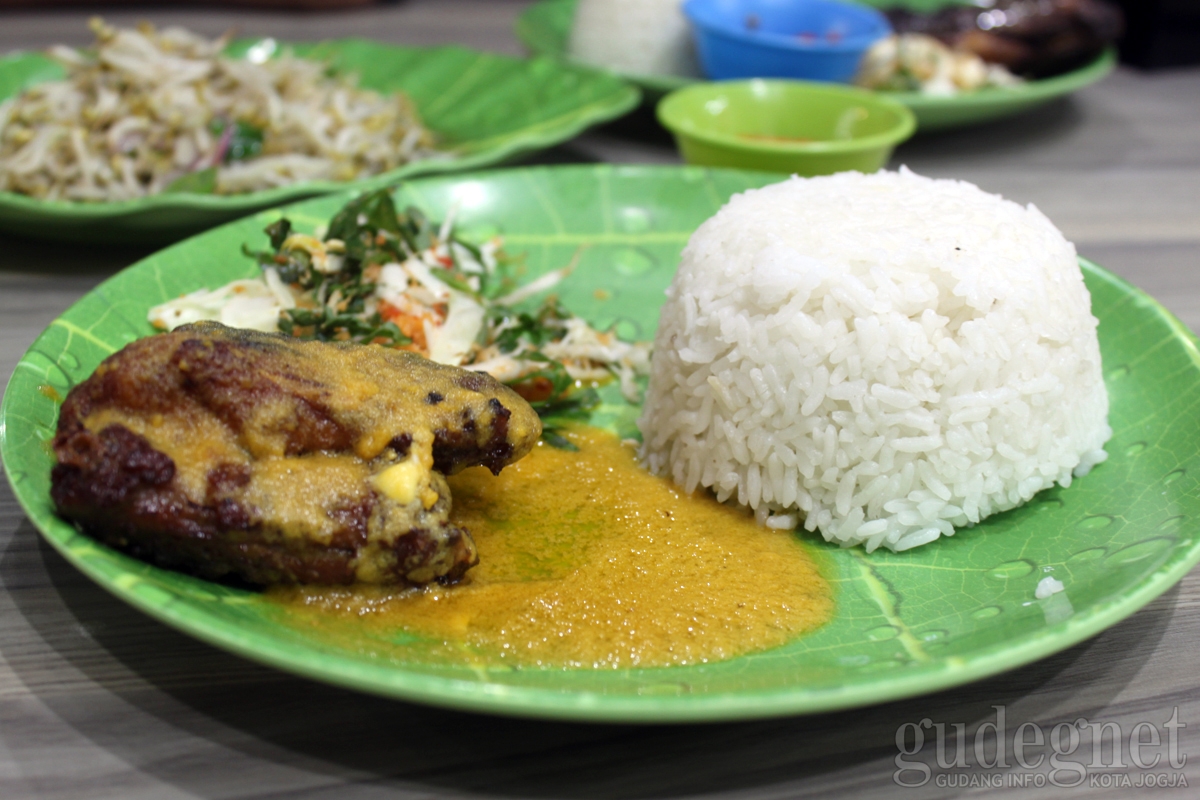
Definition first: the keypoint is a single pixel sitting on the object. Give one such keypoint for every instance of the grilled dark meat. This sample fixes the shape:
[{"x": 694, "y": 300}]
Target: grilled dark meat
[
  {"x": 239, "y": 455},
  {"x": 1033, "y": 38}
]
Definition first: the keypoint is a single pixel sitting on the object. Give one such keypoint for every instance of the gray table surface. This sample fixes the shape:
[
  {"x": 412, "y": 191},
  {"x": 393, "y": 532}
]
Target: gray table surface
[{"x": 99, "y": 701}]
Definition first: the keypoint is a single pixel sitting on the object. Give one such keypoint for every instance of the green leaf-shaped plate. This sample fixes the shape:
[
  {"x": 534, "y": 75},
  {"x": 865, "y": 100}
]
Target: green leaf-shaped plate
[
  {"x": 905, "y": 623},
  {"x": 486, "y": 108},
  {"x": 545, "y": 27}
]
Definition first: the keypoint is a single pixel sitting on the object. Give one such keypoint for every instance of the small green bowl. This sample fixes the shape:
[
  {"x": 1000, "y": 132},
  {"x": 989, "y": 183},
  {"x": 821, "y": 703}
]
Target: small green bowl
[{"x": 785, "y": 126}]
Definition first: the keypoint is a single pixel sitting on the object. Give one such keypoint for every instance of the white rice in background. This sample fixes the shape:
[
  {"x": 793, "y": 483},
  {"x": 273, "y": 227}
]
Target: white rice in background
[
  {"x": 882, "y": 357},
  {"x": 643, "y": 37}
]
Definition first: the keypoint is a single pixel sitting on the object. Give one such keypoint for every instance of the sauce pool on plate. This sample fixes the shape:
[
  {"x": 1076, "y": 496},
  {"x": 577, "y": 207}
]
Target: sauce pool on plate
[{"x": 587, "y": 560}]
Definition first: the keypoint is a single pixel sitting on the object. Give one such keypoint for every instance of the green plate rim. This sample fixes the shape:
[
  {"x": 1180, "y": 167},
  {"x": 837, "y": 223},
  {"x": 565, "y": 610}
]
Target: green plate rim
[
  {"x": 621, "y": 98},
  {"x": 538, "y": 35},
  {"x": 597, "y": 707}
]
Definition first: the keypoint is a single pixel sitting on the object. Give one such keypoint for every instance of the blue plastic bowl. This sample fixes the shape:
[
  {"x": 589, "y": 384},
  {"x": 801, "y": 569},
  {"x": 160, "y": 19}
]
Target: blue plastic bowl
[{"x": 817, "y": 40}]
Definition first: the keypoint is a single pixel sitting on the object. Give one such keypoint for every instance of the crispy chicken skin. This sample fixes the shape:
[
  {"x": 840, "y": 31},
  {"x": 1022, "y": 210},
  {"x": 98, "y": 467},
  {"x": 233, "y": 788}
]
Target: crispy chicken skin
[{"x": 232, "y": 454}]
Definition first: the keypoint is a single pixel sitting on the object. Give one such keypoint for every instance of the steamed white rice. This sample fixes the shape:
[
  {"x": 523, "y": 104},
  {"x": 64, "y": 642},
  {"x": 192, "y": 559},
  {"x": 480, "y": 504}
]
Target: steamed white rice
[
  {"x": 883, "y": 358},
  {"x": 643, "y": 37}
]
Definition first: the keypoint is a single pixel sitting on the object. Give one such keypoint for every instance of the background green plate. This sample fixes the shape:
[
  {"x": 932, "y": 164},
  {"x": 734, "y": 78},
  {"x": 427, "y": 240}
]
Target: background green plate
[
  {"x": 905, "y": 623},
  {"x": 544, "y": 28},
  {"x": 486, "y": 107}
]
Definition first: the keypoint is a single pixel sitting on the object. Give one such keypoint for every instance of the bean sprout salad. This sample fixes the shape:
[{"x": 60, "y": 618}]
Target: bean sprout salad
[{"x": 146, "y": 111}]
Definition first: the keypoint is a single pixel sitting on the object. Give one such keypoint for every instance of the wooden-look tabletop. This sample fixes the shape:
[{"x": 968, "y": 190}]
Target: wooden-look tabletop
[{"x": 99, "y": 701}]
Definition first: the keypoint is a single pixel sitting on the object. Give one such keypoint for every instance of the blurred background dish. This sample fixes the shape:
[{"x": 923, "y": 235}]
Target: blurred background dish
[
  {"x": 948, "y": 111},
  {"x": 146, "y": 110},
  {"x": 799, "y": 127},
  {"x": 485, "y": 108},
  {"x": 819, "y": 40},
  {"x": 545, "y": 27},
  {"x": 637, "y": 37},
  {"x": 1031, "y": 38}
]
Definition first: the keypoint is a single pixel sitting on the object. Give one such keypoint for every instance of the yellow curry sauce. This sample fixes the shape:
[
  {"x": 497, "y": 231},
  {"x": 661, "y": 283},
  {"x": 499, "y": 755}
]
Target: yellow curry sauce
[{"x": 585, "y": 559}]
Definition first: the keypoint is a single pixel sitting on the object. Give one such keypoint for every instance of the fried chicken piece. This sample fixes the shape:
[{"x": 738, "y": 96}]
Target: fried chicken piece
[{"x": 233, "y": 454}]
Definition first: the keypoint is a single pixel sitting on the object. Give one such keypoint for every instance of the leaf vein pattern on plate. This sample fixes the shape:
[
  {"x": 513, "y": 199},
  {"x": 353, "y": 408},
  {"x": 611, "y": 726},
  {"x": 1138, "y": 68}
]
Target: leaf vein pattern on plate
[
  {"x": 887, "y": 600},
  {"x": 539, "y": 192},
  {"x": 72, "y": 330},
  {"x": 461, "y": 86}
]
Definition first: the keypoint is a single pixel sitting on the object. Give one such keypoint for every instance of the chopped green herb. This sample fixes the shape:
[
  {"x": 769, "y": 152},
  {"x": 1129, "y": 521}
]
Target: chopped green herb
[{"x": 245, "y": 141}]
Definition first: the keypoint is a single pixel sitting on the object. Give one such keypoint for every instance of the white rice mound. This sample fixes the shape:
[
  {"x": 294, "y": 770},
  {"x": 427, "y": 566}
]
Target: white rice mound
[
  {"x": 886, "y": 357},
  {"x": 642, "y": 37}
]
